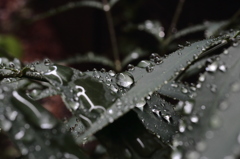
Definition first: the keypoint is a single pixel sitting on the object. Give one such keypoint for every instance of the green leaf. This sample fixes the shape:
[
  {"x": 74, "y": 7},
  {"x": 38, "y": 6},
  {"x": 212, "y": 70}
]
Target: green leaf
[
  {"x": 215, "y": 108},
  {"x": 33, "y": 129}
]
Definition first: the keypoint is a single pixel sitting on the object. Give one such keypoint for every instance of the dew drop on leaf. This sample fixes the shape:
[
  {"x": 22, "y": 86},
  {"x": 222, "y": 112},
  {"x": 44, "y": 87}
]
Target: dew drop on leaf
[
  {"x": 223, "y": 105},
  {"x": 19, "y": 135},
  {"x": 141, "y": 104},
  {"x": 212, "y": 67},
  {"x": 176, "y": 155},
  {"x": 194, "y": 119},
  {"x": 124, "y": 80},
  {"x": 182, "y": 126},
  {"x": 111, "y": 73},
  {"x": 144, "y": 63},
  {"x": 187, "y": 108}
]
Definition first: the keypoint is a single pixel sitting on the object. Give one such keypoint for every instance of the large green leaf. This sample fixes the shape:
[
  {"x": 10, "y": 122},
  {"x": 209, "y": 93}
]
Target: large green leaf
[{"x": 209, "y": 125}]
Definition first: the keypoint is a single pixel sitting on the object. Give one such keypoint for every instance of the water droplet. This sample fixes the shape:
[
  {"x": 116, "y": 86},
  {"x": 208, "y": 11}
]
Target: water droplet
[
  {"x": 111, "y": 73},
  {"x": 113, "y": 88},
  {"x": 201, "y": 78},
  {"x": 187, "y": 108},
  {"x": 19, "y": 135},
  {"x": 235, "y": 87},
  {"x": 182, "y": 126},
  {"x": 225, "y": 52},
  {"x": 46, "y": 62},
  {"x": 193, "y": 155},
  {"x": 222, "y": 68},
  {"x": 37, "y": 148},
  {"x": 212, "y": 67},
  {"x": 11, "y": 115},
  {"x": 130, "y": 67},
  {"x": 184, "y": 90},
  {"x": 167, "y": 118},
  {"x": 215, "y": 121},
  {"x": 110, "y": 111},
  {"x": 209, "y": 134},
  {"x": 144, "y": 64},
  {"x": 194, "y": 119},
  {"x": 11, "y": 65},
  {"x": 149, "y": 69},
  {"x": 6, "y": 125},
  {"x": 213, "y": 88},
  {"x": 158, "y": 60},
  {"x": 176, "y": 155},
  {"x": 157, "y": 112},
  {"x": 141, "y": 104},
  {"x": 201, "y": 146},
  {"x": 124, "y": 80},
  {"x": 223, "y": 105}
]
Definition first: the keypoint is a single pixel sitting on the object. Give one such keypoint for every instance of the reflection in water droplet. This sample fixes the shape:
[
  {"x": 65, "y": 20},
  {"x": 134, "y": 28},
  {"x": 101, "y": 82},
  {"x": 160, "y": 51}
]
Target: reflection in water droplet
[{"x": 124, "y": 80}]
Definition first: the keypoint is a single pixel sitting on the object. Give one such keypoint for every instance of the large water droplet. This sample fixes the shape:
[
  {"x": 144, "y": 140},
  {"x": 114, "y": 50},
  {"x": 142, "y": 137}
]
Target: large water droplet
[
  {"x": 124, "y": 80},
  {"x": 144, "y": 63}
]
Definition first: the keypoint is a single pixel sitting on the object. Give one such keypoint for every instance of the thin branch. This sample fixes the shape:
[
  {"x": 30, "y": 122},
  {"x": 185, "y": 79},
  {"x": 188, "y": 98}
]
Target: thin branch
[
  {"x": 175, "y": 17},
  {"x": 106, "y": 8},
  {"x": 68, "y": 6}
]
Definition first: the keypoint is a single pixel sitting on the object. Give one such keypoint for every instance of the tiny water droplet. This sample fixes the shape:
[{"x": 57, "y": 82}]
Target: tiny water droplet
[
  {"x": 176, "y": 155},
  {"x": 184, "y": 90},
  {"x": 113, "y": 88},
  {"x": 201, "y": 78},
  {"x": 19, "y": 135},
  {"x": 222, "y": 68},
  {"x": 141, "y": 104},
  {"x": 124, "y": 80},
  {"x": 130, "y": 67},
  {"x": 223, "y": 105},
  {"x": 111, "y": 73},
  {"x": 46, "y": 62},
  {"x": 194, "y": 119},
  {"x": 11, "y": 65},
  {"x": 212, "y": 67},
  {"x": 182, "y": 126},
  {"x": 225, "y": 52},
  {"x": 157, "y": 112},
  {"x": 149, "y": 69},
  {"x": 235, "y": 87},
  {"x": 187, "y": 108}
]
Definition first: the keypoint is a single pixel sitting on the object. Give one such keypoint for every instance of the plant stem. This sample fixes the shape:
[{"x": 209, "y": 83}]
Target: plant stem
[
  {"x": 175, "y": 17},
  {"x": 106, "y": 8}
]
